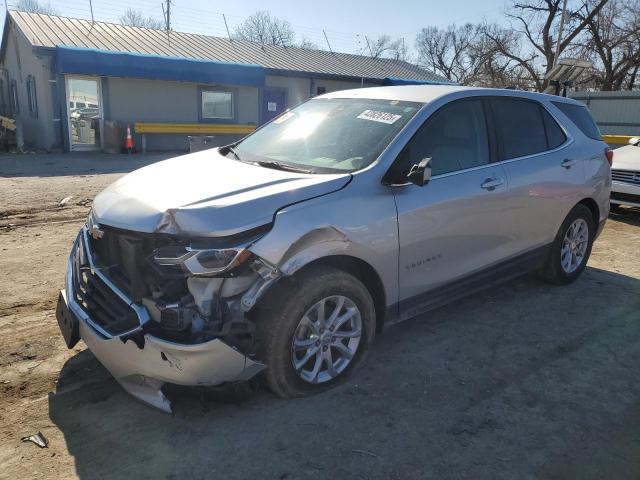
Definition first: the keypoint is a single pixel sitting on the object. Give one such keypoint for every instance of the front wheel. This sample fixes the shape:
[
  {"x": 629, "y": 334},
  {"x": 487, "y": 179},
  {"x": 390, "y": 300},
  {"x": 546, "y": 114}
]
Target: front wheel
[
  {"x": 313, "y": 330},
  {"x": 571, "y": 248}
]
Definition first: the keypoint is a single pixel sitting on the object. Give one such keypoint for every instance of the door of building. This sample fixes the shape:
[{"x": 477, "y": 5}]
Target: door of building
[
  {"x": 84, "y": 113},
  {"x": 273, "y": 103}
]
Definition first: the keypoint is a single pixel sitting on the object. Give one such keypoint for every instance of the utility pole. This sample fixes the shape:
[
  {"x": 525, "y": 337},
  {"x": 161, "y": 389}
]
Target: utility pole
[
  {"x": 559, "y": 41},
  {"x": 167, "y": 15}
]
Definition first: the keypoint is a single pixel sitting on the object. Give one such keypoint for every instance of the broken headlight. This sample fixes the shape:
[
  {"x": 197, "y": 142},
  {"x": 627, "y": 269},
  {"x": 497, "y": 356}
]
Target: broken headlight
[{"x": 201, "y": 262}]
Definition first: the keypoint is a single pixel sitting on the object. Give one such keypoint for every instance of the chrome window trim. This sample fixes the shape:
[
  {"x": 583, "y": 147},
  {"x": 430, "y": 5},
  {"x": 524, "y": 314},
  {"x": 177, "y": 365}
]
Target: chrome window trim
[
  {"x": 569, "y": 138},
  {"x": 568, "y": 142}
]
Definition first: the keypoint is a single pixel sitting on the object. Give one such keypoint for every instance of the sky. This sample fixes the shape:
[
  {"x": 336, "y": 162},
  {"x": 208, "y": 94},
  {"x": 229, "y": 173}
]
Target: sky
[{"x": 346, "y": 22}]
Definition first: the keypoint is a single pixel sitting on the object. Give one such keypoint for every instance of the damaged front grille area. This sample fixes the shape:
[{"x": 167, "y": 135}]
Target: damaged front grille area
[
  {"x": 125, "y": 257},
  {"x": 111, "y": 313},
  {"x": 121, "y": 287}
]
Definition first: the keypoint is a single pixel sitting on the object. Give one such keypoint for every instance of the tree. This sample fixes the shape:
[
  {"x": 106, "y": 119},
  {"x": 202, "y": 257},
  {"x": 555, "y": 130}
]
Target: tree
[
  {"x": 378, "y": 46},
  {"x": 448, "y": 51},
  {"x": 34, "y": 6},
  {"x": 398, "y": 50},
  {"x": 385, "y": 47},
  {"x": 262, "y": 28},
  {"x": 308, "y": 44},
  {"x": 613, "y": 44},
  {"x": 536, "y": 24},
  {"x": 135, "y": 18},
  {"x": 465, "y": 55}
]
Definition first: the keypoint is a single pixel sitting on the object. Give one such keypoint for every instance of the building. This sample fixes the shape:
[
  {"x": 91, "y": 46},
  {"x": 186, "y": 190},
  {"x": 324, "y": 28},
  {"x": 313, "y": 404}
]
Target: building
[
  {"x": 616, "y": 113},
  {"x": 64, "y": 80}
]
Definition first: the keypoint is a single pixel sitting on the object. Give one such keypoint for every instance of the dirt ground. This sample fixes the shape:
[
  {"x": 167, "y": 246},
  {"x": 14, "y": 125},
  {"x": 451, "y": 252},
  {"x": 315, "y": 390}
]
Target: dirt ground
[{"x": 521, "y": 381}]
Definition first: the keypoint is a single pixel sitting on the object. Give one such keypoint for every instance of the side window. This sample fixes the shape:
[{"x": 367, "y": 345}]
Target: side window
[
  {"x": 216, "y": 104},
  {"x": 13, "y": 93},
  {"x": 581, "y": 117},
  {"x": 3, "y": 105},
  {"x": 519, "y": 126},
  {"x": 454, "y": 137},
  {"x": 32, "y": 98},
  {"x": 555, "y": 135}
]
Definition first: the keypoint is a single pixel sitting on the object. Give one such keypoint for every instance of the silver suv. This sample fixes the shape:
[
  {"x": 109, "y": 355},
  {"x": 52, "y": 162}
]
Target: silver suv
[{"x": 285, "y": 253}]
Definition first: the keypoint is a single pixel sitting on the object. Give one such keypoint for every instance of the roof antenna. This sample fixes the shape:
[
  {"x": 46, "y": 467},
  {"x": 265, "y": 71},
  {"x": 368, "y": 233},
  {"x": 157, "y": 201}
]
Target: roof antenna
[
  {"x": 327, "y": 40},
  {"x": 227, "y": 27}
]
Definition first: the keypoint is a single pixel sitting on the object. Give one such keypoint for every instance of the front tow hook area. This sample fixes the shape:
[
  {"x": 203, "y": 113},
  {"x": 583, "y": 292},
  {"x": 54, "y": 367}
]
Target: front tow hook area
[{"x": 143, "y": 371}]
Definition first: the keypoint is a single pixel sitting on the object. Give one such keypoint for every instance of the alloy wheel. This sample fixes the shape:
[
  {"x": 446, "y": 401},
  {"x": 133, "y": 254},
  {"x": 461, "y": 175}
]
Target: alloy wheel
[
  {"x": 574, "y": 245},
  {"x": 326, "y": 339}
]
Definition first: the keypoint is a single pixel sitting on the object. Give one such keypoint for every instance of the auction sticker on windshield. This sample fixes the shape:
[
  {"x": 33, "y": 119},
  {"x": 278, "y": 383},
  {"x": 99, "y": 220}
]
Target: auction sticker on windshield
[{"x": 377, "y": 116}]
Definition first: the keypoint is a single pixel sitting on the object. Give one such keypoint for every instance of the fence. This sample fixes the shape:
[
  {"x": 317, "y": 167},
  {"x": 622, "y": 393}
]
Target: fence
[{"x": 616, "y": 113}]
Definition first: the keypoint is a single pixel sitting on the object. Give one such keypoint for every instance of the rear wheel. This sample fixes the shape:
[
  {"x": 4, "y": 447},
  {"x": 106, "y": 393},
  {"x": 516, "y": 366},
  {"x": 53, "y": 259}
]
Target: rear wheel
[
  {"x": 313, "y": 330},
  {"x": 571, "y": 248}
]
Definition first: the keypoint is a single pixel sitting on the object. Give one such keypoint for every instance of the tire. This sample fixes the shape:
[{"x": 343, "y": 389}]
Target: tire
[
  {"x": 554, "y": 270},
  {"x": 279, "y": 317}
]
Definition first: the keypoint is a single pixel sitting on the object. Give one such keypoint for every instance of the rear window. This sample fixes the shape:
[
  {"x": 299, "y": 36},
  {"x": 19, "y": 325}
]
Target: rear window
[
  {"x": 520, "y": 127},
  {"x": 581, "y": 117},
  {"x": 555, "y": 135}
]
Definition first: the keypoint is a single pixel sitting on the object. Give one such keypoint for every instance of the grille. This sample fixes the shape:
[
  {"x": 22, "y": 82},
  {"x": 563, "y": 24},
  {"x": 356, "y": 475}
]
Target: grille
[
  {"x": 625, "y": 197},
  {"x": 105, "y": 308},
  {"x": 125, "y": 256},
  {"x": 626, "y": 176}
]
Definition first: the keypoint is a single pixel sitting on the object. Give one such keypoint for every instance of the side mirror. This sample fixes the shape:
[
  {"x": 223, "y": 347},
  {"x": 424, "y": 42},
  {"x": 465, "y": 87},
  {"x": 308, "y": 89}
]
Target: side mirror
[
  {"x": 420, "y": 173},
  {"x": 635, "y": 141}
]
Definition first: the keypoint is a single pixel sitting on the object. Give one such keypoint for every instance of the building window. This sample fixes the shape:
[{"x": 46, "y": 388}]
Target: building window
[
  {"x": 217, "y": 104},
  {"x": 13, "y": 97},
  {"x": 321, "y": 90},
  {"x": 32, "y": 99},
  {"x": 3, "y": 105}
]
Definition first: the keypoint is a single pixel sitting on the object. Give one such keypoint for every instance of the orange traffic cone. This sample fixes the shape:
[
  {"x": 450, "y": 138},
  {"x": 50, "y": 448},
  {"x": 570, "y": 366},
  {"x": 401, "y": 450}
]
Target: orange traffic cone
[{"x": 128, "y": 143}]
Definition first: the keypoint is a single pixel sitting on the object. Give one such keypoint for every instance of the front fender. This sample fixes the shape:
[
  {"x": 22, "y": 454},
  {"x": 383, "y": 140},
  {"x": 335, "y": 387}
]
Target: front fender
[{"x": 342, "y": 223}]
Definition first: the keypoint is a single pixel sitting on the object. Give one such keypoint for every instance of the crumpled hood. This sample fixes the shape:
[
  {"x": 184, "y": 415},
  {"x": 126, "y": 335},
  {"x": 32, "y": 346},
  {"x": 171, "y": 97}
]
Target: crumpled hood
[{"x": 205, "y": 194}]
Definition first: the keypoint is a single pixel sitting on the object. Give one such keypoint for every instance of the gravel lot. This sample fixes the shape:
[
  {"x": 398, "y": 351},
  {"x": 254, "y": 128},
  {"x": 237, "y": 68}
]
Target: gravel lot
[{"x": 522, "y": 381}]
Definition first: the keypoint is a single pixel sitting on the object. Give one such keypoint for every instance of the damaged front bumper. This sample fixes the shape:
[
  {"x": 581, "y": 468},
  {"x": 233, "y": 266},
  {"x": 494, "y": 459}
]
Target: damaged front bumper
[{"x": 139, "y": 361}]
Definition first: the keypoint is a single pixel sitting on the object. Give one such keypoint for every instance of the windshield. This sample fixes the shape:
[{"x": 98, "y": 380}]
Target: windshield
[{"x": 327, "y": 135}]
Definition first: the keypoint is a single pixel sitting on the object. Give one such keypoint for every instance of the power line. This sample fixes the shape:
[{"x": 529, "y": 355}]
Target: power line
[{"x": 199, "y": 21}]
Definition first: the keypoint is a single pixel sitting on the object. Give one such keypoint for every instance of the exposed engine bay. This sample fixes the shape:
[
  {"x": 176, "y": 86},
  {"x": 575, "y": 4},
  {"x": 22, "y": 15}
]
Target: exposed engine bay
[{"x": 194, "y": 290}]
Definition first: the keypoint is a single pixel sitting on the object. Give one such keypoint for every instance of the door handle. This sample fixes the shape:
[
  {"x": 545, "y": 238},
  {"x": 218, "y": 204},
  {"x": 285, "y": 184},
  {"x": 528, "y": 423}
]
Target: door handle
[
  {"x": 491, "y": 183},
  {"x": 568, "y": 163}
]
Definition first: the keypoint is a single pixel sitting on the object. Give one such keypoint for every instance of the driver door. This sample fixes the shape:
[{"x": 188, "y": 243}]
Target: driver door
[{"x": 452, "y": 227}]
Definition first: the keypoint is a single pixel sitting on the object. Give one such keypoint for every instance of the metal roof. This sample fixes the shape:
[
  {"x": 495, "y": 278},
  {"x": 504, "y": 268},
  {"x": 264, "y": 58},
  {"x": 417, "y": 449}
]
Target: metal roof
[{"x": 52, "y": 31}]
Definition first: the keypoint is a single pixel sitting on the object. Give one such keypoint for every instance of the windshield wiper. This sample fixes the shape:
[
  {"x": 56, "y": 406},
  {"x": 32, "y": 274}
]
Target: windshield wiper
[
  {"x": 283, "y": 166},
  {"x": 232, "y": 149}
]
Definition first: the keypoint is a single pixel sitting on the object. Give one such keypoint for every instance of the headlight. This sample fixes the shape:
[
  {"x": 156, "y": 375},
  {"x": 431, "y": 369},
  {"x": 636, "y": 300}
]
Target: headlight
[{"x": 201, "y": 262}]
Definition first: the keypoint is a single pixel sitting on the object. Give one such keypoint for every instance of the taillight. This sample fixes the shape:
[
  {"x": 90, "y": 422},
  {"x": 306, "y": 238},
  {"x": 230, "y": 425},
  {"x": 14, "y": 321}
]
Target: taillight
[{"x": 609, "y": 154}]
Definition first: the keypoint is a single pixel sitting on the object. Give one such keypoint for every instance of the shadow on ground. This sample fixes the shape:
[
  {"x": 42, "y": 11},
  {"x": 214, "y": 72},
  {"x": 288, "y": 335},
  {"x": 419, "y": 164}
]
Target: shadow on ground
[
  {"x": 525, "y": 380},
  {"x": 628, "y": 215},
  {"x": 76, "y": 163}
]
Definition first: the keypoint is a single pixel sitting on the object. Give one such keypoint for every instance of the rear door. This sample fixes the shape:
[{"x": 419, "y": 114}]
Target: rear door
[
  {"x": 452, "y": 226},
  {"x": 545, "y": 175}
]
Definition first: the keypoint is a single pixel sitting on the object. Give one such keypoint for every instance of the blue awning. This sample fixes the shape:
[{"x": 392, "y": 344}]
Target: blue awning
[
  {"x": 133, "y": 65},
  {"x": 410, "y": 81}
]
